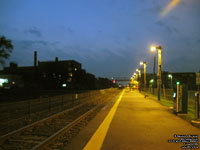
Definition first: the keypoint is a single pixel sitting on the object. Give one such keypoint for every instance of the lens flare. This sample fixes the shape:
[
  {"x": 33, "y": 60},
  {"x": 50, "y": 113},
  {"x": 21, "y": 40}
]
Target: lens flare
[{"x": 169, "y": 7}]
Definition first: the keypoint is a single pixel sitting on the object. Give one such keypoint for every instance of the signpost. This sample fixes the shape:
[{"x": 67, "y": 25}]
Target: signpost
[{"x": 180, "y": 98}]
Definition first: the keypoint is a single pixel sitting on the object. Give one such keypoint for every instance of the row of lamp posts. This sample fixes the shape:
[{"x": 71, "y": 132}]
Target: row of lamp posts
[{"x": 159, "y": 80}]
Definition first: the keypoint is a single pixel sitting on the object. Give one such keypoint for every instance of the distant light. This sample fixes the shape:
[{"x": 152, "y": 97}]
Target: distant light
[
  {"x": 114, "y": 81},
  {"x": 134, "y": 74},
  {"x": 174, "y": 95},
  {"x": 151, "y": 81},
  {"x": 75, "y": 69},
  {"x": 64, "y": 85},
  {"x": 13, "y": 82},
  {"x": 137, "y": 70},
  {"x": 170, "y": 76},
  {"x": 177, "y": 82},
  {"x": 141, "y": 63}
]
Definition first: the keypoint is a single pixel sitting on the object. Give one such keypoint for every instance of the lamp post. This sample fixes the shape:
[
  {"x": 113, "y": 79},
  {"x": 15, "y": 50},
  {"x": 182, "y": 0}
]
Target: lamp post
[
  {"x": 170, "y": 76},
  {"x": 140, "y": 74},
  {"x": 135, "y": 75},
  {"x": 145, "y": 72},
  {"x": 139, "y": 70},
  {"x": 159, "y": 81},
  {"x": 154, "y": 70}
]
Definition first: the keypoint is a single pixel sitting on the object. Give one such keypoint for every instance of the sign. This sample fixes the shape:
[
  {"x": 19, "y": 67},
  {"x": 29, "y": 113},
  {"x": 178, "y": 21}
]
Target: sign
[{"x": 197, "y": 78}]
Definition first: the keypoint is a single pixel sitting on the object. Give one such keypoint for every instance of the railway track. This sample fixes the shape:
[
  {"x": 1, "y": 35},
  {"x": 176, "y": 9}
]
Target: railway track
[{"x": 53, "y": 132}]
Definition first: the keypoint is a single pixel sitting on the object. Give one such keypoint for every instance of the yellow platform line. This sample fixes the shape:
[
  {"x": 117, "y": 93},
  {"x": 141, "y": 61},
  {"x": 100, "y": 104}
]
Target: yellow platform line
[{"x": 96, "y": 141}]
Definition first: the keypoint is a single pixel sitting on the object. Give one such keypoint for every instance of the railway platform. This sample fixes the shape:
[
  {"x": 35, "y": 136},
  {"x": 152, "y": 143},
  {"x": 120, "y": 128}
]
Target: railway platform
[{"x": 132, "y": 122}]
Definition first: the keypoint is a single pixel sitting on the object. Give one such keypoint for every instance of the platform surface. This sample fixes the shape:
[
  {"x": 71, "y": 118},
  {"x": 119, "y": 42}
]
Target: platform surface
[{"x": 135, "y": 123}]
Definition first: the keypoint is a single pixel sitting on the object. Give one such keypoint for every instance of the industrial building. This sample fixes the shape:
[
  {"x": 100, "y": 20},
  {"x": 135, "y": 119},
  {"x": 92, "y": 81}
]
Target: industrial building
[{"x": 44, "y": 74}]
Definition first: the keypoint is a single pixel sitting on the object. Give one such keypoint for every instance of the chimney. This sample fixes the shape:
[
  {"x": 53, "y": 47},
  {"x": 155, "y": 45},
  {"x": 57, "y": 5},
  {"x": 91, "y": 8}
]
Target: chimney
[
  {"x": 56, "y": 59},
  {"x": 35, "y": 58}
]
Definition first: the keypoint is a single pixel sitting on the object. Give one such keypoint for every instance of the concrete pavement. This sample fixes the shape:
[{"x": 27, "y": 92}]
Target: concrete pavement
[{"x": 137, "y": 124}]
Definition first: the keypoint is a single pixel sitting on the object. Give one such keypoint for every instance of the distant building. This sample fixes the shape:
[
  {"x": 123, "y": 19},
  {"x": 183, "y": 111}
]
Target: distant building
[
  {"x": 57, "y": 68},
  {"x": 44, "y": 74},
  {"x": 9, "y": 80},
  {"x": 58, "y": 73}
]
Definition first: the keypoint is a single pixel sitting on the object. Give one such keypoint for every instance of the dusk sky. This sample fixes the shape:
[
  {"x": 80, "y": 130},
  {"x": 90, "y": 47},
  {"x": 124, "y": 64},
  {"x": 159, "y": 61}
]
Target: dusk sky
[{"x": 108, "y": 37}]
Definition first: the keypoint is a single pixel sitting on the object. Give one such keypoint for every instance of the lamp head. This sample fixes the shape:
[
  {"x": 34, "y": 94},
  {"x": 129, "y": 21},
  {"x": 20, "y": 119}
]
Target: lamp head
[
  {"x": 153, "y": 48},
  {"x": 170, "y": 76}
]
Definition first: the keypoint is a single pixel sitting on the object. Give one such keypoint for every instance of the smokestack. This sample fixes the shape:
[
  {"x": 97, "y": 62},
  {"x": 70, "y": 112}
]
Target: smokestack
[
  {"x": 35, "y": 58},
  {"x": 56, "y": 59}
]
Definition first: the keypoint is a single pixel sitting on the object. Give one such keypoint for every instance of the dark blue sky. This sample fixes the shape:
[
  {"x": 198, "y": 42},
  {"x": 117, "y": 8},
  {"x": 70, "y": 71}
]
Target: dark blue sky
[{"x": 109, "y": 37}]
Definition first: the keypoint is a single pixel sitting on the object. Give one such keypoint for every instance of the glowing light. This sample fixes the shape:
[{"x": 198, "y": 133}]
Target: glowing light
[
  {"x": 153, "y": 48},
  {"x": 151, "y": 81},
  {"x": 64, "y": 85},
  {"x": 170, "y": 76},
  {"x": 169, "y": 7},
  {"x": 141, "y": 63}
]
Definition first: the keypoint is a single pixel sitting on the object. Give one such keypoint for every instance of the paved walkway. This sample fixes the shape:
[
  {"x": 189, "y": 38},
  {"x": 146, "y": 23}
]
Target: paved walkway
[{"x": 133, "y": 123}]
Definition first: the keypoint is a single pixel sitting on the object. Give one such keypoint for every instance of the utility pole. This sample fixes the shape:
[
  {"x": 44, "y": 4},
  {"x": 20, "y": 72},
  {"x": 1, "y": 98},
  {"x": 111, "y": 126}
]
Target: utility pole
[
  {"x": 145, "y": 76},
  {"x": 154, "y": 70},
  {"x": 145, "y": 72}
]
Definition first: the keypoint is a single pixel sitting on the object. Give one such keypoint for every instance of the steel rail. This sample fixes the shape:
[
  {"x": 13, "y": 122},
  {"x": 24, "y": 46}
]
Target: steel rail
[
  {"x": 3, "y": 137},
  {"x": 59, "y": 133}
]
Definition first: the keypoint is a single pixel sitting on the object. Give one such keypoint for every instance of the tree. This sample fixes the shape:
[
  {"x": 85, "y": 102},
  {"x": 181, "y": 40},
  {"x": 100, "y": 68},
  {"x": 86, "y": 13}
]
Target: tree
[{"x": 6, "y": 48}]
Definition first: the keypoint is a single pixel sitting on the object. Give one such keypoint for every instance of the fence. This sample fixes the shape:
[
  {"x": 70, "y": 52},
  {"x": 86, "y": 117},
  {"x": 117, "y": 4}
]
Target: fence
[
  {"x": 18, "y": 114},
  {"x": 168, "y": 94}
]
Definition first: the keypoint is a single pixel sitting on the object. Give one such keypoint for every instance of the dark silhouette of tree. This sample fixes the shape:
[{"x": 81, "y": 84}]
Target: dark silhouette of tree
[{"x": 6, "y": 48}]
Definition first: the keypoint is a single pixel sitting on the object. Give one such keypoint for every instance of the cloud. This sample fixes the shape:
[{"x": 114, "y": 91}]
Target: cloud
[
  {"x": 167, "y": 27},
  {"x": 155, "y": 9},
  {"x": 33, "y": 31},
  {"x": 70, "y": 30},
  {"x": 29, "y": 43}
]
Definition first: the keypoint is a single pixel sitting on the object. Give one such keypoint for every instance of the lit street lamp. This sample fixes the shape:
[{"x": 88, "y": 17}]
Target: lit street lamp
[
  {"x": 145, "y": 72},
  {"x": 139, "y": 79},
  {"x": 135, "y": 75},
  {"x": 140, "y": 72},
  {"x": 159, "y": 81},
  {"x": 170, "y": 76}
]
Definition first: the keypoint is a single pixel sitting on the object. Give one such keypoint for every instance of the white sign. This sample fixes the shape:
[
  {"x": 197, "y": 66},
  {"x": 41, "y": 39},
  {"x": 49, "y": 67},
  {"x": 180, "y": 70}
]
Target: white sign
[{"x": 197, "y": 78}]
